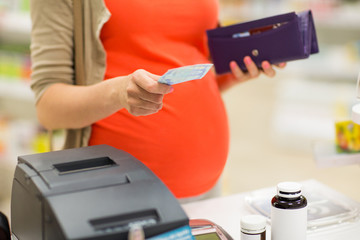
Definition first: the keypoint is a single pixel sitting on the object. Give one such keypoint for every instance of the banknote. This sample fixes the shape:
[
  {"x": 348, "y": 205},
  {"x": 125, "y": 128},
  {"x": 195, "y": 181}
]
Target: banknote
[{"x": 184, "y": 74}]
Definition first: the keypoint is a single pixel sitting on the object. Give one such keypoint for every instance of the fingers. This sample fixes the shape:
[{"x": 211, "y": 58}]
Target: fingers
[
  {"x": 138, "y": 101},
  {"x": 268, "y": 70},
  {"x": 138, "y": 111},
  {"x": 241, "y": 76},
  {"x": 145, "y": 94},
  {"x": 149, "y": 83},
  {"x": 281, "y": 65},
  {"x": 141, "y": 93},
  {"x": 136, "y": 233},
  {"x": 237, "y": 72},
  {"x": 253, "y": 70}
]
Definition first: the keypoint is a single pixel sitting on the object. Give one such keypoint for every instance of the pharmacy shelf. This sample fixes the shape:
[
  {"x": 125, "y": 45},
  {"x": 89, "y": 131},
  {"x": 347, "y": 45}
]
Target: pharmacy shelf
[
  {"x": 17, "y": 100},
  {"x": 326, "y": 155},
  {"x": 15, "y": 27},
  {"x": 16, "y": 89},
  {"x": 338, "y": 30},
  {"x": 321, "y": 71}
]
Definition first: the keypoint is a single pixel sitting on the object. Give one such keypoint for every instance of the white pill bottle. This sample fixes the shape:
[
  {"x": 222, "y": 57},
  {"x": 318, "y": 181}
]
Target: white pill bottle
[
  {"x": 288, "y": 213},
  {"x": 253, "y": 227}
]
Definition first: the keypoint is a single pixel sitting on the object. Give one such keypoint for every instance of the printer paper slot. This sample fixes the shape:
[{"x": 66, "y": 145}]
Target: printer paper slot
[
  {"x": 84, "y": 165},
  {"x": 125, "y": 221}
]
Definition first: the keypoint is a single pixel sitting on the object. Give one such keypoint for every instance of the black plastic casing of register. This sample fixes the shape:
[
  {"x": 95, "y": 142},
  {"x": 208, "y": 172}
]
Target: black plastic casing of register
[{"x": 94, "y": 192}]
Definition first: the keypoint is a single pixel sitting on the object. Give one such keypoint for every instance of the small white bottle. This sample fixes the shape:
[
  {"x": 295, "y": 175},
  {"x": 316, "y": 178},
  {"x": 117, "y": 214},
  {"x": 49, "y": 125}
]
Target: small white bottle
[
  {"x": 253, "y": 227},
  {"x": 288, "y": 213}
]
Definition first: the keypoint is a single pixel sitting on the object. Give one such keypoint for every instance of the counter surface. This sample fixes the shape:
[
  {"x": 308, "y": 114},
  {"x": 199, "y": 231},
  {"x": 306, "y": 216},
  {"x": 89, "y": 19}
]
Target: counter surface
[{"x": 227, "y": 211}]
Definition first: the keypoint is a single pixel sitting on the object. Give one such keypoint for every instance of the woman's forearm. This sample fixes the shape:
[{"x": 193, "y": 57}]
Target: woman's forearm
[{"x": 69, "y": 106}]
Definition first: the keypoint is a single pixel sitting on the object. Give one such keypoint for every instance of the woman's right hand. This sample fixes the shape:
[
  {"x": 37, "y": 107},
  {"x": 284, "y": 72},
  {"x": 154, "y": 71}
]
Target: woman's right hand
[{"x": 141, "y": 93}]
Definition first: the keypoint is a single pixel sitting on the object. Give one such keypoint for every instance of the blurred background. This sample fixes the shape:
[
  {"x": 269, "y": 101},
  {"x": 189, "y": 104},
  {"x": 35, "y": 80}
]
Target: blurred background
[{"x": 275, "y": 123}]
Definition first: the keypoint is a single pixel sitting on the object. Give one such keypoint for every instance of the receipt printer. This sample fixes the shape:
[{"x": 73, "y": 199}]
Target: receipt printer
[{"x": 95, "y": 192}]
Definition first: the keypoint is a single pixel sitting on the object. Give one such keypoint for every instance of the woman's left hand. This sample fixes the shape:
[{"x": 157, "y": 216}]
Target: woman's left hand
[{"x": 253, "y": 70}]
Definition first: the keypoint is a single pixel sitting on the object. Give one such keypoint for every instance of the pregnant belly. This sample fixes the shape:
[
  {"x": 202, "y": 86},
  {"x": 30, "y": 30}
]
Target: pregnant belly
[{"x": 185, "y": 144}]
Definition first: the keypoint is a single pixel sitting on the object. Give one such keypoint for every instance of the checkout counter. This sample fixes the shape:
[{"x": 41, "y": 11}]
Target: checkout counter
[
  {"x": 332, "y": 216},
  {"x": 99, "y": 192}
]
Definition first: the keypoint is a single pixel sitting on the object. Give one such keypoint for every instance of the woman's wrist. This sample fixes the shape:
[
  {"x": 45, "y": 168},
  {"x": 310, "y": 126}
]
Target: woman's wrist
[{"x": 115, "y": 91}]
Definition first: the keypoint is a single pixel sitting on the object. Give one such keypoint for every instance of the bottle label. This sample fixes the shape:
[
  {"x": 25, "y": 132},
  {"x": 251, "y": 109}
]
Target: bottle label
[
  {"x": 245, "y": 236},
  {"x": 288, "y": 223}
]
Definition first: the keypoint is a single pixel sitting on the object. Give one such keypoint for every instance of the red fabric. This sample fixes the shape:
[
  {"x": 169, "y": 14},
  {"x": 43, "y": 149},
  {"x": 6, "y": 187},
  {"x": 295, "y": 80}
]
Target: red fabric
[{"x": 185, "y": 143}]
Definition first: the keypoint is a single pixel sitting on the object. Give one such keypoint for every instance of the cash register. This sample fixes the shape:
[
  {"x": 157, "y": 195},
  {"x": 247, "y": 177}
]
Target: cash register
[{"x": 95, "y": 192}]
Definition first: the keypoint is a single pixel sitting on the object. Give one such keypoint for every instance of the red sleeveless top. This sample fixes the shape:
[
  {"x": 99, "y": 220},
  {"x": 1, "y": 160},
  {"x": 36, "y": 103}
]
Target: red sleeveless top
[{"x": 186, "y": 143}]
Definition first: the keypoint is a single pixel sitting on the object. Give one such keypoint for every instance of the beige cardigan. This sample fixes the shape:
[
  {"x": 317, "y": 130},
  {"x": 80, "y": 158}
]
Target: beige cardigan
[{"x": 52, "y": 49}]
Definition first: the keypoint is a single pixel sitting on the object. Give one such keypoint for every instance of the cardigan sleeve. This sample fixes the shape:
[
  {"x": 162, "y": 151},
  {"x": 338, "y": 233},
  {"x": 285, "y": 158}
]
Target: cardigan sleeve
[{"x": 51, "y": 44}]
